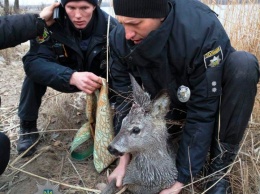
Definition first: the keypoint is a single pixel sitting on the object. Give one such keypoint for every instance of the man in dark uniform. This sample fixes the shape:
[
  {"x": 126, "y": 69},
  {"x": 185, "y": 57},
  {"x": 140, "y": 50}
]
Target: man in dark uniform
[
  {"x": 180, "y": 46},
  {"x": 14, "y": 30},
  {"x": 70, "y": 57}
]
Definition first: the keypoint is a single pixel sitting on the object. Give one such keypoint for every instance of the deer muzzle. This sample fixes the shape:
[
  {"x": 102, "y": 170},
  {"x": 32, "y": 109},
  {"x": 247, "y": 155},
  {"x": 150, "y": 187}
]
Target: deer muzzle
[{"x": 114, "y": 151}]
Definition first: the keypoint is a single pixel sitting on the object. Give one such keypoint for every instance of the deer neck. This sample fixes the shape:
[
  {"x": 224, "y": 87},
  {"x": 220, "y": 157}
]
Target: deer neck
[
  {"x": 158, "y": 150},
  {"x": 152, "y": 171}
]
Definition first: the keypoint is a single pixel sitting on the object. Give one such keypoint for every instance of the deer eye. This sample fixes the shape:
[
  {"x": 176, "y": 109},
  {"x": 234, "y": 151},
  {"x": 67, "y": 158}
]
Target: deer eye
[{"x": 136, "y": 130}]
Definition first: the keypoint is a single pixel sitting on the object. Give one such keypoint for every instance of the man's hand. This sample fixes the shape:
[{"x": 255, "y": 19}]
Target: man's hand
[
  {"x": 86, "y": 81},
  {"x": 120, "y": 170},
  {"x": 47, "y": 13},
  {"x": 175, "y": 189}
]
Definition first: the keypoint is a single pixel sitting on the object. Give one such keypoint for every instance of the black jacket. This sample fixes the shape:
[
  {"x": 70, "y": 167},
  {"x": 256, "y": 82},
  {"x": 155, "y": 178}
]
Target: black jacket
[
  {"x": 181, "y": 52},
  {"x": 61, "y": 53},
  {"x": 16, "y": 29},
  {"x": 4, "y": 152}
]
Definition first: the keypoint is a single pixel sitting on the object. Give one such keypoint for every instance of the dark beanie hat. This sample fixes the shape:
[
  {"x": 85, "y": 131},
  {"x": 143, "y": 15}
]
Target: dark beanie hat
[
  {"x": 93, "y": 2},
  {"x": 141, "y": 8}
]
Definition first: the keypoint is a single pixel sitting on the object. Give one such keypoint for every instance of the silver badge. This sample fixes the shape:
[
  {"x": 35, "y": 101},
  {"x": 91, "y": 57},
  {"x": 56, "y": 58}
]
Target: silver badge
[{"x": 183, "y": 93}]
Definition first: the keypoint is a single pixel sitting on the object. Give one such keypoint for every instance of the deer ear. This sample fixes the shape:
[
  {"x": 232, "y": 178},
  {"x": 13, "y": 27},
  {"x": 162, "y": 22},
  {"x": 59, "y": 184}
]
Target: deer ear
[
  {"x": 140, "y": 96},
  {"x": 161, "y": 105}
]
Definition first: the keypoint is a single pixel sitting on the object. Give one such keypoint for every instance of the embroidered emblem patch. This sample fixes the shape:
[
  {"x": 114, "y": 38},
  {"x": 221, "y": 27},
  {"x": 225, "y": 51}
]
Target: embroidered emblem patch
[
  {"x": 44, "y": 37},
  {"x": 213, "y": 58}
]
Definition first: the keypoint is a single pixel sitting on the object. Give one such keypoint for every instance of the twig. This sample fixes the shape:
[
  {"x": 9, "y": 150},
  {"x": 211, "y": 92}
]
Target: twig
[
  {"x": 36, "y": 156},
  {"x": 57, "y": 182},
  {"x": 25, "y": 152},
  {"x": 255, "y": 166},
  {"x": 254, "y": 123},
  {"x": 21, "y": 155},
  {"x": 49, "y": 131},
  {"x": 7, "y": 118},
  {"x": 3, "y": 186},
  {"x": 10, "y": 128},
  {"x": 190, "y": 169},
  {"x": 77, "y": 172},
  {"x": 215, "y": 182},
  {"x": 61, "y": 167},
  {"x": 122, "y": 190},
  {"x": 107, "y": 57},
  {"x": 92, "y": 130},
  {"x": 51, "y": 96},
  {"x": 213, "y": 174}
]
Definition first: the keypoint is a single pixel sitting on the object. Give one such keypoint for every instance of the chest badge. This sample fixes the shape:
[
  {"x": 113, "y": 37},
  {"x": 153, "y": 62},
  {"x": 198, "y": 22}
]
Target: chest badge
[{"x": 183, "y": 93}]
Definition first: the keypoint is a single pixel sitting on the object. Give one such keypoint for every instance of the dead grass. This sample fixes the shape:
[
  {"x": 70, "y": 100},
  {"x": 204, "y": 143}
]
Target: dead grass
[{"x": 241, "y": 21}]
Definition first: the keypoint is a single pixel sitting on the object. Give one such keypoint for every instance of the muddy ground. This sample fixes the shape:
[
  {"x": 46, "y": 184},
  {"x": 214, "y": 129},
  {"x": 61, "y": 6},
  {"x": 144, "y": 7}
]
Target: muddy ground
[{"x": 63, "y": 113}]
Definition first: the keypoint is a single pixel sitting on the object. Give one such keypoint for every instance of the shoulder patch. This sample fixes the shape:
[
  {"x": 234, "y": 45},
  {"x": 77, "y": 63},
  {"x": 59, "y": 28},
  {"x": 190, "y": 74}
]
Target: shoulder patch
[
  {"x": 44, "y": 37},
  {"x": 213, "y": 58}
]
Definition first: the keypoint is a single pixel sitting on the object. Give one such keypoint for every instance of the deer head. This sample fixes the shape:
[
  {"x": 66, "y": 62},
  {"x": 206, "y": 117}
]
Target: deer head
[{"x": 144, "y": 126}]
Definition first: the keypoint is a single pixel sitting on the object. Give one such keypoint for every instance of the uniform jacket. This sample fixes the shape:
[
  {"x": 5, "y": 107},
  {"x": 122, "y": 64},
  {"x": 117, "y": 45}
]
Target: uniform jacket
[
  {"x": 63, "y": 51},
  {"x": 16, "y": 29},
  {"x": 189, "y": 49}
]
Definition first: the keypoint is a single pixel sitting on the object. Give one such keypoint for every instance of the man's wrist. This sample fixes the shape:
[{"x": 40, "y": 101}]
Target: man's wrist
[
  {"x": 72, "y": 81},
  {"x": 40, "y": 24},
  {"x": 183, "y": 178}
]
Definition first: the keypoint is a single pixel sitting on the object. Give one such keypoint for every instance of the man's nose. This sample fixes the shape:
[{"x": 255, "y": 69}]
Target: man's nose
[
  {"x": 129, "y": 34},
  {"x": 77, "y": 13}
]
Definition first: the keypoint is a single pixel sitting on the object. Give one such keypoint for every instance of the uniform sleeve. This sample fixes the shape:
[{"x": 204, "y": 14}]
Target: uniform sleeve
[
  {"x": 197, "y": 132},
  {"x": 41, "y": 65},
  {"x": 16, "y": 29},
  {"x": 202, "y": 108}
]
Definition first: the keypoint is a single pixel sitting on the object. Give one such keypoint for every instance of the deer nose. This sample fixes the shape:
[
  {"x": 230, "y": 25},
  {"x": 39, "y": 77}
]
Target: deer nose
[{"x": 114, "y": 151}]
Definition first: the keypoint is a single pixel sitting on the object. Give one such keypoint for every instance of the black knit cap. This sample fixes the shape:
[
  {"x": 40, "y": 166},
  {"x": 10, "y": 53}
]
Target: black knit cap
[
  {"x": 141, "y": 8},
  {"x": 93, "y": 2}
]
